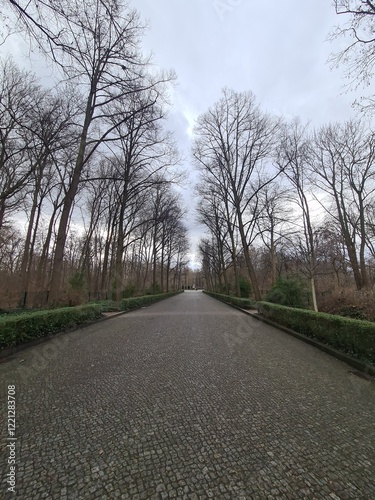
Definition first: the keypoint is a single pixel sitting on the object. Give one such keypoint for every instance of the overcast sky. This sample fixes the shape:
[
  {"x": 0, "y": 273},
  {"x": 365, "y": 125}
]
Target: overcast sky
[{"x": 278, "y": 50}]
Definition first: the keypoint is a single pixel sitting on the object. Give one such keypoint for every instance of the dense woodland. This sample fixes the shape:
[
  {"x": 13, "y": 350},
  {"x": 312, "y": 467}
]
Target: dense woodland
[
  {"x": 280, "y": 199},
  {"x": 289, "y": 208},
  {"x": 88, "y": 203},
  {"x": 87, "y": 166}
]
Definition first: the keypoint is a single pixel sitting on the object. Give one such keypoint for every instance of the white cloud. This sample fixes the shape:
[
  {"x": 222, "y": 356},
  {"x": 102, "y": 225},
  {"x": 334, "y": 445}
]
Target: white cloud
[{"x": 278, "y": 50}]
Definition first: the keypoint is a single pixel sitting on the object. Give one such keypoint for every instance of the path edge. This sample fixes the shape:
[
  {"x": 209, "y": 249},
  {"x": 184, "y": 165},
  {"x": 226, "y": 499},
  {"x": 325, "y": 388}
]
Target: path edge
[
  {"x": 353, "y": 362},
  {"x": 6, "y": 353}
]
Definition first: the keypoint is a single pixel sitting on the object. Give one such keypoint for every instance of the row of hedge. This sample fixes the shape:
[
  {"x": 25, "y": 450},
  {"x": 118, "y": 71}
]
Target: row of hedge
[
  {"x": 18, "y": 329},
  {"x": 15, "y": 330},
  {"x": 354, "y": 337},
  {"x": 232, "y": 300},
  {"x": 133, "y": 302}
]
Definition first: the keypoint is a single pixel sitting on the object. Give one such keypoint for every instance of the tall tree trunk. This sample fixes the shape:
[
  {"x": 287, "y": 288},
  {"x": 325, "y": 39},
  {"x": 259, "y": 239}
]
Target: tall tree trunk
[
  {"x": 154, "y": 258},
  {"x": 162, "y": 263},
  {"x": 118, "y": 278},
  {"x": 42, "y": 266},
  {"x": 309, "y": 235},
  {"x": 168, "y": 269},
  {"x": 26, "y": 252},
  {"x": 106, "y": 264},
  {"x": 313, "y": 293},
  {"x": 362, "y": 248},
  {"x": 145, "y": 277},
  {"x": 2, "y": 212},
  {"x": 249, "y": 264},
  {"x": 234, "y": 261},
  {"x": 352, "y": 254},
  {"x": 273, "y": 259},
  {"x": 57, "y": 266},
  {"x": 219, "y": 277}
]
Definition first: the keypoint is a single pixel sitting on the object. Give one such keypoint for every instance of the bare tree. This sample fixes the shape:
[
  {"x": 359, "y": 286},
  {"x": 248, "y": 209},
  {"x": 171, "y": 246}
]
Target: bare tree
[
  {"x": 234, "y": 140},
  {"x": 211, "y": 266},
  {"x": 343, "y": 162},
  {"x": 143, "y": 157},
  {"x": 293, "y": 159},
  {"x": 370, "y": 228},
  {"x": 160, "y": 202},
  {"x": 274, "y": 222},
  {"x": 359, "y": 55},
  {"x": 52, "y": 132},
  {"x": 331, "y": 250},
  {"x": 10, "y": 257},
  {"x": 98, "y": 48},
  {"x": 178, "y": 246},
  {"x": 216, "y": 213},
  {"x": 19, "y": 94},
  {"x": 174, "y": 241}
]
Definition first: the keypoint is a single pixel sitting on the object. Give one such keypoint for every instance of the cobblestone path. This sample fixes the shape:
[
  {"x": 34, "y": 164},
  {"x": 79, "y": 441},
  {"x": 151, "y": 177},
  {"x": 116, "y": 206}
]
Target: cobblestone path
[{"x": 189, "y": 399}]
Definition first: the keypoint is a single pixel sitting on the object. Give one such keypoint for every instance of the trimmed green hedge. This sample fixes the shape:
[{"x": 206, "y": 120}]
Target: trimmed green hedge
[
  {"x": 108, "y": 305},
  {"x": 19, "y": 329},
  {"x": 234, "y": 301},
  {"x": 354, "y": 337},
  {"x": 133, "y": 302}
]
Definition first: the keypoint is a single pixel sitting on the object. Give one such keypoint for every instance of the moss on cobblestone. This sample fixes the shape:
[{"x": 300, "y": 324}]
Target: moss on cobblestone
[{"x": 354, "y": 337}]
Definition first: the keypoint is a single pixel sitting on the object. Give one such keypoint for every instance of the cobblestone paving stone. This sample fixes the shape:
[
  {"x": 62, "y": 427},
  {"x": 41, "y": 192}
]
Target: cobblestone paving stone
[{"x": 188, "y": 399}]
